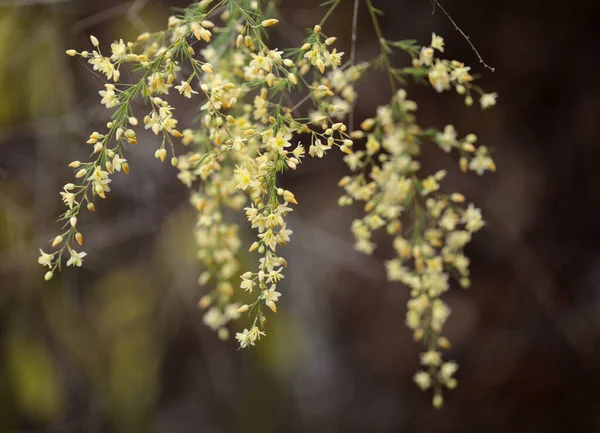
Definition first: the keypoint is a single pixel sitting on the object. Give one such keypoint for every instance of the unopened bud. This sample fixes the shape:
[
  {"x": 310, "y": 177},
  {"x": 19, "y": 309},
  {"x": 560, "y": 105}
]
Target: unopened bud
[
  {"x": 160, "y": 154},
  {"x": 205, "y": 301},
  {"x": 269, "y": 22},
  {"x": 457, "y": 198}
]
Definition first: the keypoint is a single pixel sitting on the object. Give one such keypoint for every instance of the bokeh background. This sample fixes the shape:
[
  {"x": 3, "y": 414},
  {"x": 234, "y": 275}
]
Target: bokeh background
[{"x": 119, "y": 345}]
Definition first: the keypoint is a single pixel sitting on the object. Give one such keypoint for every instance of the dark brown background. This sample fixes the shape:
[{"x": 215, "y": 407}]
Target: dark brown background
[{"x": 119, "y": 346}]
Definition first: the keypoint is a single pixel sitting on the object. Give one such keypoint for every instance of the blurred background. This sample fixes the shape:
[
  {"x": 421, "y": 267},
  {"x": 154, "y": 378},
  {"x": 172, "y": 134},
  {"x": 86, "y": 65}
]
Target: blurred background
[{"x": 119, "y": 345}]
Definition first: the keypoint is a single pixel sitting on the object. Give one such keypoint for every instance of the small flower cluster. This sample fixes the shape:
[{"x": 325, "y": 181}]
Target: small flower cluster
[
  {"x": 237, "y": 153},
  {"x": 430, "y": 250},
  {"x": 429, "y": 228},
  {"x": 249, "y": 134},
  {"x": 444, "y": 74},
  {"x": 93, "y": 177}
]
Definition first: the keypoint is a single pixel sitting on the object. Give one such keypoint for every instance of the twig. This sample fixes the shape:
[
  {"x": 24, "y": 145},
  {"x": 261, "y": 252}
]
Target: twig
[
  {"x": 102, "y": 16},
  {"x": 353, "y": 56},
  {"x": 436, "y": 2},
  {"x": 381, "y": 41}
]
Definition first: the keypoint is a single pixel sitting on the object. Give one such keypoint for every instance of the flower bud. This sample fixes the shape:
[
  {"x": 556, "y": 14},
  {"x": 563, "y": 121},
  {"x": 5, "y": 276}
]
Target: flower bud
[
  {"x": 57, "y": 240},
  {"x": 205, "y": 301},
  {"x": 457, "y": 198},
  {"x": 223, "y": 334},
  {"x": 269, "y": 22},
  {"x": 160, "y": 154}
]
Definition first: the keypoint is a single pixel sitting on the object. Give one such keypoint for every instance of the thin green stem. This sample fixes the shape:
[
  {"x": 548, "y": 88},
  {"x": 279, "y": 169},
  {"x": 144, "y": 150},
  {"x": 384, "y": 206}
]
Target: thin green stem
[{"x": 382, "y": 44}]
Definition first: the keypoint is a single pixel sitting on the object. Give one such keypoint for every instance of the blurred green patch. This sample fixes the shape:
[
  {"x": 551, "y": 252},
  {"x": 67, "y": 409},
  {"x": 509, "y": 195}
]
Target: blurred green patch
[
  {"x": 33, "y": 377},
  {"x": 34, "y": 78}
]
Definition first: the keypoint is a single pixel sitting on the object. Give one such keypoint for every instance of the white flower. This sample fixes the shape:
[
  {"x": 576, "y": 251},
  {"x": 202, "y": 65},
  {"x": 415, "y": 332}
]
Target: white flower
[
  {"x": 447, "y": 370},
  {"x": 231, "y": 311},
  {"x": 45, "y": 259},
  {"x": 69, "y": 199},
  {"x": 185, "y": 89},
  {"x": 247, "y": 338},
  {"x": 457, "y": 240},
  {"x": 439, "y": 77},
  {"x": 480, "y": 164},
  {"x": 426, "y": 56},
  {"x": 242, "y": 177},
  {"x": 269, "y": 239},
  {"x": 119, "y": 49},
  {"x": 280, "y": 141},
  {"x": 247, "y": 284},
  {"x": 317, "y": 149},
  {"x": 422, "y": 379},
  {"x": 437, "y": 42},
  {"x": 460, "y": 73},
  {"x": 271, "y": 296},
  {"x": 283, "y": 237},
  {"x": 108, "y": 96},
  {"x": 214, "y": 318},
  {"x": 334, "y": 58},
  {"x": 472, "y": 218},
  {"x": 118, "y": 162},
  {"x": 488, "y": 100},
  {"x": 439, "y": 314},
  {"x": 430, "y": 358},
  {"x": 76, "y": 257},
  {"x": 447, "y": 139},
  {"x": 449, "y": 220},
  {"x": 244, "y": 338}
]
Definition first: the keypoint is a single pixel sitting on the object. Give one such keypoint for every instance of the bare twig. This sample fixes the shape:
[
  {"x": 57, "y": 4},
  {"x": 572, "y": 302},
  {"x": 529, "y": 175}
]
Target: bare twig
[
  {"x": 458, "y": 29},
  {"x": 130, "y": 9},
  {"x": 353, "y": 57}
]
